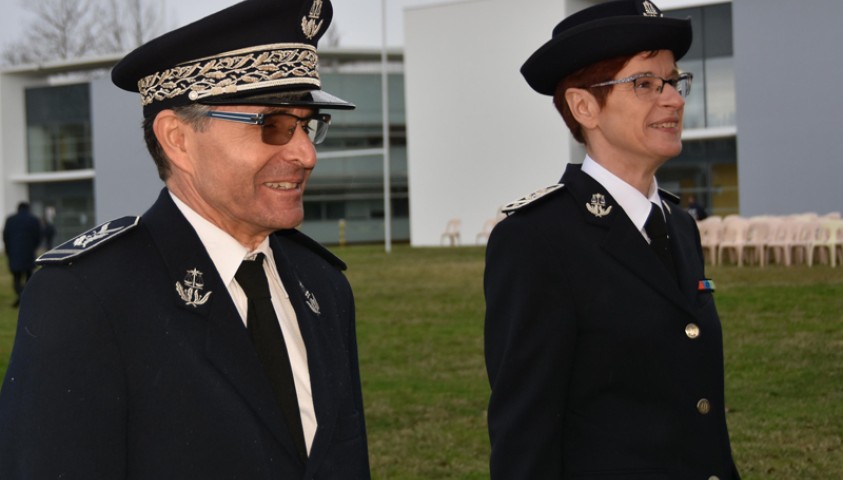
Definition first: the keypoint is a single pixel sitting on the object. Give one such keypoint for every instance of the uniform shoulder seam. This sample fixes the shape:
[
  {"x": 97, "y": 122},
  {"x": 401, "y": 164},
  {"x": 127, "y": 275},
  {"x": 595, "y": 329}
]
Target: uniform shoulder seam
[{"x": 314, "y": 246}]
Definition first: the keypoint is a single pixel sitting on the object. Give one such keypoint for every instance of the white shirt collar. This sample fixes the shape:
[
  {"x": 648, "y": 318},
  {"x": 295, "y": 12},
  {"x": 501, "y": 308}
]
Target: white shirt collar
[
  {"x": 226, "y": 252},
  {"x": 636, "y": 205}
]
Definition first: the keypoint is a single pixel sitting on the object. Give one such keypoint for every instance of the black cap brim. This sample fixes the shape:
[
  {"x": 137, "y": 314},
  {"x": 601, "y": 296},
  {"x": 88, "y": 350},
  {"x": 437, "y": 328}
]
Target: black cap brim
[{"x": 318, "y": 99}]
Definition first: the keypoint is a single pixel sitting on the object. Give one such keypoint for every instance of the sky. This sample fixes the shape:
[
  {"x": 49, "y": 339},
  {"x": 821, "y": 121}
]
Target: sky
[{"x": 358, "y": 21}]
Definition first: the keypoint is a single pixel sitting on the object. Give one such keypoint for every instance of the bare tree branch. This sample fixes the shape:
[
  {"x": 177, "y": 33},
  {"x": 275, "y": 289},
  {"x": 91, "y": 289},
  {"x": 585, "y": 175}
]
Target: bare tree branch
[{"x": 68, "y": 29}]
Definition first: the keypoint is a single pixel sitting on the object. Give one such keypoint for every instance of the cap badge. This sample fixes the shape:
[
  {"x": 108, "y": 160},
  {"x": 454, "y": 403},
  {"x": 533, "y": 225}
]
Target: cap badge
[
  {"x": 312, "y": 23},
  {"x": 650, "y": 10},
  {"x": 598, "y": 207},
  {"x": 192, "y": 294},
  {"x": 310, "y": 300}
]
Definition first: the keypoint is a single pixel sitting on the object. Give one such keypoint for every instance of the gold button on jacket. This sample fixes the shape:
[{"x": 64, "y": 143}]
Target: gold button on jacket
[{"x": 692, "y": 331}]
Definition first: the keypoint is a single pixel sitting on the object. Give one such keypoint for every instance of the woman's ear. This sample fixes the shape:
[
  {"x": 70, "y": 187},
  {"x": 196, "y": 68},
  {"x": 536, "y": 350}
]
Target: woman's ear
[{"x": 583, "y": 107}]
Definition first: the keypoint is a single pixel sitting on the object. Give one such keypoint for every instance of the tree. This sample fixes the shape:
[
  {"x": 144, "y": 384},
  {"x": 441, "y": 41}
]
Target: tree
[
  {"x": 130, "y": 23},
  {"x": 69, "y": 29}
]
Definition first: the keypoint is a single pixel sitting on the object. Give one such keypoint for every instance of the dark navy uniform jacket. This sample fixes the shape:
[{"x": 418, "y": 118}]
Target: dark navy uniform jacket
[
  {"x": 127, "y": 364},
  {"x": 601, "y": 365}
]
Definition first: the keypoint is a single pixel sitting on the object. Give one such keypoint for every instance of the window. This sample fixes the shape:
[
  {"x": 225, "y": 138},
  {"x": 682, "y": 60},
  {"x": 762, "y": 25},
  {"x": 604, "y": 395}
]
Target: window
[
  {"x": 58, "y": 128},
  {"x": 711, "y": 60}
]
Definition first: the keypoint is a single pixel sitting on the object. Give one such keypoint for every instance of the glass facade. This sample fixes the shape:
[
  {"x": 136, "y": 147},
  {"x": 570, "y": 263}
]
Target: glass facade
[
  {"x": 707, "y": 167},
  {"x": 58, "y": 128},
  {"x": 70, "y": 204},
  {"x": 346, "y": 189},
  {"x": 58, "y": 131}
]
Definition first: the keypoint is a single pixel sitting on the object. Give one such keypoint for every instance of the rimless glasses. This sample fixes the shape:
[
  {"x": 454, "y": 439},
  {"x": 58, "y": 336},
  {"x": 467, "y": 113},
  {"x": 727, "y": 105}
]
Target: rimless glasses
[{"x": 648, "y": 86}]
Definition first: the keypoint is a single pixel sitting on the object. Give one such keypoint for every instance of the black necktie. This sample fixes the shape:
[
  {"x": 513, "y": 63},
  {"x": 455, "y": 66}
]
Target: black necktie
[
  {"x": 266, "y": 335},
  {"x": 656, "y": 229}
]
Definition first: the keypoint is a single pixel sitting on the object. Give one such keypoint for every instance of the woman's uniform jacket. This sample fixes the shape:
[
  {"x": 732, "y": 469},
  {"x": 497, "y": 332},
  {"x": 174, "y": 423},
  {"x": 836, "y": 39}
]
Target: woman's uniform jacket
[
  {"x": 601, "y": 365},
  {"x": 132, "y": 362}
]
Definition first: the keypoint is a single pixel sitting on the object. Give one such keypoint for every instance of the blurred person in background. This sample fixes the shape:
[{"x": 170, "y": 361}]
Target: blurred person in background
[{"x": 21, "y": 237}]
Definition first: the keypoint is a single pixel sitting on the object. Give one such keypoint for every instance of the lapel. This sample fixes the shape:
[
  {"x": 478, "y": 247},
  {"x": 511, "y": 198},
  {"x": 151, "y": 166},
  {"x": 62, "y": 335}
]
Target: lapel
[
  {"x": 310, "y": 315},
  {"x": 682, "y": 242},
  {"x": 227, "y": 343},
  {"x": 620, "y": 238}
]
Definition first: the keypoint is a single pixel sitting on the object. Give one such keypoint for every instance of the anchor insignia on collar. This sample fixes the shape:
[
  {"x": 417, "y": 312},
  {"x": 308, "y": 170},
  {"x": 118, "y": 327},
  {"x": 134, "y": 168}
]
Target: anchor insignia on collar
[
  {"x": 598, "y": 207},
  {"x": 191, "y": 293}
]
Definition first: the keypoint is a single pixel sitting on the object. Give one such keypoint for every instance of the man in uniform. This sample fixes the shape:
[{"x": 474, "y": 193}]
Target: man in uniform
[
  {"x": 21, "y": 237},
  {"x": 603, "y": 344},
  {"x": 207, "y": 339}
]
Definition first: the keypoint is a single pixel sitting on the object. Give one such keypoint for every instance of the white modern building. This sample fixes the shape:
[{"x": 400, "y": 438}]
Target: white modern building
[
  {"x": 467, "y": 134},
  {"x": 761, "y": 125}
]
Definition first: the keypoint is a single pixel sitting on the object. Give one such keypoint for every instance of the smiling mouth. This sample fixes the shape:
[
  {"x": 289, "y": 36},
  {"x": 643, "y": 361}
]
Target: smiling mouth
[
  {"x": 284, "y": 186},
  {"x": 665, "y": 125}
]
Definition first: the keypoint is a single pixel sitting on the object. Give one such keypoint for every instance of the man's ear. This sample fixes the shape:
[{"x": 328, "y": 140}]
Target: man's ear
[
  {"x": 171, "y": 132},
  {"x": 583, "y": 106}
]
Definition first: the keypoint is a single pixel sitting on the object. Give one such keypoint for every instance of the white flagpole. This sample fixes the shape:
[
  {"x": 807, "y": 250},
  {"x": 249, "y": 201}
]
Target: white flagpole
[{"x": 387, "y": 196}]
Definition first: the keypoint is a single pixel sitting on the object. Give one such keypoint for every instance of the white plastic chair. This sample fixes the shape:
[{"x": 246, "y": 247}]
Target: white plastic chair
[
  {"x": 757, "y": 236},
  {"x": 802, "y": 250},
  {"x": 483, "y": 236},
  {"x": 825, "y": 242},
  {"x": 452, "y": 232},
  {"x": 711, "y": 231},
  {"x": 783, "y": 231},
  {"x": 734, "y": 238},
  {"x": 838, "y": 244}
]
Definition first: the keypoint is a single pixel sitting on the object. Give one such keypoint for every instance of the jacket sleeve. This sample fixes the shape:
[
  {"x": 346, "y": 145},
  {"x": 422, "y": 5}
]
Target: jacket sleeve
[
  {"x": 63, "y": 404},
  {"x": 530, "y": 334}
]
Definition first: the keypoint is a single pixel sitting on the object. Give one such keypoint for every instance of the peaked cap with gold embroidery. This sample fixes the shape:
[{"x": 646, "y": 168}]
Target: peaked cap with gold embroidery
[{"x": 257, "y": 52}]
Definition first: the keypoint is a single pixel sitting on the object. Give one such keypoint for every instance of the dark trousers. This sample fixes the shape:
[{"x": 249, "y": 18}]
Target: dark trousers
[{"x": 19, "y": 280}]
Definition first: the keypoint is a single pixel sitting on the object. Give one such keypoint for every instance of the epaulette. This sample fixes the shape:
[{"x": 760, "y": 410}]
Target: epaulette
[
  {"x": 312, "y": 244},
  {"x": 526, "y": 200},
  {"x": 88, "y": 241},
  {"x": 670, "y": 196}
]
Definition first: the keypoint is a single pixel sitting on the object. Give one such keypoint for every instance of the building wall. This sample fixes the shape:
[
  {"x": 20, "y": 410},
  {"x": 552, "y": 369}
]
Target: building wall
[
  {"x": 790, "y": 110},
  {"x": 478, "y": 136},
  {"x": 127, "y": 182},
  {"x": 12, "y": 140}
]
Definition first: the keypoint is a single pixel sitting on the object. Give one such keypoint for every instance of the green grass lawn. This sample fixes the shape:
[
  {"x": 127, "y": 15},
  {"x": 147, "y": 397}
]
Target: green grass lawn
[{"x": 420, "y": 330}]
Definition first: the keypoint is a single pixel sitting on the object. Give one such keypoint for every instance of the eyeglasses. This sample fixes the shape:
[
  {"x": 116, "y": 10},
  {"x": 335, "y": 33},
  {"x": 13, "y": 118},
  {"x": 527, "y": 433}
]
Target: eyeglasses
[
  {"x": 278, "y": 128},
  {"x": 647, "y": 86}
]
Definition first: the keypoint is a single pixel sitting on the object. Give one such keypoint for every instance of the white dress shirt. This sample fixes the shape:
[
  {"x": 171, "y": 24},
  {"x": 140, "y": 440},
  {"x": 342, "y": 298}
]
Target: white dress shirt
[
  {"x": 227, "y": 255},
  {"x": 636, "y": 205}
]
